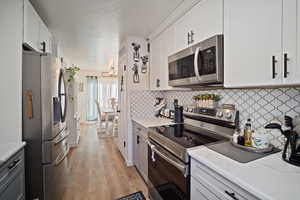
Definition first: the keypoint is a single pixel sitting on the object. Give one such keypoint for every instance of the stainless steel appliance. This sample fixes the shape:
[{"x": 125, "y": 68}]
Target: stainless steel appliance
[
  {"x": 200, "y": 64},
  {"x": 44, "y": 126},
  {"x": 168, "y": 161}
]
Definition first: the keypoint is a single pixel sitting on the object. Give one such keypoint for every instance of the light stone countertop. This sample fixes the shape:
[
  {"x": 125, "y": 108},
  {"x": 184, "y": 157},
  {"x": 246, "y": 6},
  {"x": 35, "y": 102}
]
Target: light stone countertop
[
  {"x": 153, "y": 121},
  {"x": 268, "y": 178},
  {"x": 9, "y": 149}
]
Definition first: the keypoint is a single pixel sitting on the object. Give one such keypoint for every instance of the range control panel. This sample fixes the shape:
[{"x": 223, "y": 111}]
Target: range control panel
[{"x": 224, "y": 113}]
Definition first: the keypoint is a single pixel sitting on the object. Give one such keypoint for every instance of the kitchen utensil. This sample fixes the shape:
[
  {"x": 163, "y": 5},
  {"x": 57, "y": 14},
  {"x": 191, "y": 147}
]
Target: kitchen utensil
[
  {"x": 291, "y": 150},
  {"x": 160, "y": 104},
  {"x": 275, "y": 126},
  {"x": 288, "y": 122},
  {"x": 178, "y": 118}
]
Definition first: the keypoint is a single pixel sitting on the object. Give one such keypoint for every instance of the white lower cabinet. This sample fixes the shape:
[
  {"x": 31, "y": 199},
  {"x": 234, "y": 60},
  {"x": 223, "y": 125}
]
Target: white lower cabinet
[
  {"x": 208, "y": 184},
  {"x": 140, "y": 150},
  {"x": 203, "y": 190}
]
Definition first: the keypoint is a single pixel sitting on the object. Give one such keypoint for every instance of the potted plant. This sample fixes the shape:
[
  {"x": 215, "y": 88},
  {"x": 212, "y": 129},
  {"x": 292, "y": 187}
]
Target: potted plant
[
  {"x": 207, "y": 100},
  {"x": 71, "y": 71},
  {"x": 70, "y": 76}
]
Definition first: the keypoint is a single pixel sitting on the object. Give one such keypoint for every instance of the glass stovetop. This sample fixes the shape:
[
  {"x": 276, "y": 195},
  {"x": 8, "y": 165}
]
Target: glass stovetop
[{"x": 182, "y": 134}]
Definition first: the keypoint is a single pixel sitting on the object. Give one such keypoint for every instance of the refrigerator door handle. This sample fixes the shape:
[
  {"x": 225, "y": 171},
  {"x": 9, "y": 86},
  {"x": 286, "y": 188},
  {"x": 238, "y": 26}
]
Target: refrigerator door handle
[{"x": 29, "y": 104}]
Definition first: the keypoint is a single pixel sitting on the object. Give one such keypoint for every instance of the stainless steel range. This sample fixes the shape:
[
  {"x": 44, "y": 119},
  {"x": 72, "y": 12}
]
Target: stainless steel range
[{"x": 168, "y": 161}]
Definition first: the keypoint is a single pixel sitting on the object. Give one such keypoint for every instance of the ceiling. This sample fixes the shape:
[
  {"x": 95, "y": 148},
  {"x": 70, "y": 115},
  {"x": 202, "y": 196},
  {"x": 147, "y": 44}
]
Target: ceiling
[{"x": 88, "y": 31}]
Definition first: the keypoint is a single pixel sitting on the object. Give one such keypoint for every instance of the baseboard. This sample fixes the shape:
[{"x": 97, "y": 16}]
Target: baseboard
[{"x": 129, "y": 163}]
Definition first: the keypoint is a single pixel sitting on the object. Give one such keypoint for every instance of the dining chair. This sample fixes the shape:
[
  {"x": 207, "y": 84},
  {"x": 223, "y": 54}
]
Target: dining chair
[
  {"x": 101, "y": 119},
  {"x": 114, "y": 105}
]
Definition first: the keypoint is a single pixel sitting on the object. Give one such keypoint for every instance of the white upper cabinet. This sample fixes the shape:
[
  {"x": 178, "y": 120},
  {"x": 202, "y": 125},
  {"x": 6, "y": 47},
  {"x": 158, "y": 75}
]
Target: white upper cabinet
[
  {"x": 36, "y": 34},
  {"x": 182, "y": 33},
  {"x": 252, "y": 43},
  {"x": 206, "y": 19},
  {"x": 161, "y": 48},
  {"x": 45, "y": 38},
  {"x": 155, "y": 64},
  {"x": 167, "y": 47},
  {"x": 31, "y": 26},
  {"x": 203, "y": 21},
  {"x": 291, "y": 69},
  {"x": 261, "y": 43}
]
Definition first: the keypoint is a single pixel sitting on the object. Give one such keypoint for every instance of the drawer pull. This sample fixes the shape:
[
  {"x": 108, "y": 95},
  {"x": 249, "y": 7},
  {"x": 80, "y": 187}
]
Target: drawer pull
[
  {"x": 231, "y": 194},
  {"x": 13, "y": 164}
]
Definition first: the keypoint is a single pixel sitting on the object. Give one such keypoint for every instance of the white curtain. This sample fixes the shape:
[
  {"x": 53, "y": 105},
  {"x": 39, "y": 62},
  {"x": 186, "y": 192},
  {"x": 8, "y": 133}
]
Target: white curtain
[
  {"x": 108, "y": 88},
  {"x": 92, "y": 95},
  {"x": 101, "y": 89}
]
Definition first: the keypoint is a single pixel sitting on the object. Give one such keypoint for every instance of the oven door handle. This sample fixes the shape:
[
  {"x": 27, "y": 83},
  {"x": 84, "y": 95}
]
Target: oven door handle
[
  {"x": 196, "y": 67},
  {"x": 179, "y": 166}
]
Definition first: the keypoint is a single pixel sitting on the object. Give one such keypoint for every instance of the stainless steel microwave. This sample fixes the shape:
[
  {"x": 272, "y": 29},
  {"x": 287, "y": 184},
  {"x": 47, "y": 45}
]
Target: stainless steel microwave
[{"x": 200, "y": 64}]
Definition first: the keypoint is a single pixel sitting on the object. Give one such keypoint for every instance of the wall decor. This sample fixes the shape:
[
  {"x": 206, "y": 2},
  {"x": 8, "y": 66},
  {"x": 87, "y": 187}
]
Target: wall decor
[
  {"x": 122, "y": 83},
  {"x": 136, "y": 54},
  {"x": 145, "y": 60},
  {"x": 136, "y": 76}
]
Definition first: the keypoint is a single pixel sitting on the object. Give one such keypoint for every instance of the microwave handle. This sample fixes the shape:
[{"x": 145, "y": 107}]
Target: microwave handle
[{"x": 196, "y": 67}]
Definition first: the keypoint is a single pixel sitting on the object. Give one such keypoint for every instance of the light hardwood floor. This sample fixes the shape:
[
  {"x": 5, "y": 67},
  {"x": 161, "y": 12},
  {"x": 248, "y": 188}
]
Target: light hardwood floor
[{"x": 97, "y": 170}]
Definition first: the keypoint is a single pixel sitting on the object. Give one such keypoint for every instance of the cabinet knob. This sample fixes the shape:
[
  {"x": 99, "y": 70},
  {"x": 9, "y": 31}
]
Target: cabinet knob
[
  {"x": 274, "y": 61},
  {"x": 157, "y": 83},
  {"x": 231, "y": 194},
  {"x": 137, "y": 139},
  {"x": 286, "y": 59},
  {"x": 192, "y": 37},
  {"x": 43, "y": 49}
]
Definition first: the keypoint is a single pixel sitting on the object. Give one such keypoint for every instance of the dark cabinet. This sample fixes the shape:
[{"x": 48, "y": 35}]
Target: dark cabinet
[{"x": 12, "y": 178}]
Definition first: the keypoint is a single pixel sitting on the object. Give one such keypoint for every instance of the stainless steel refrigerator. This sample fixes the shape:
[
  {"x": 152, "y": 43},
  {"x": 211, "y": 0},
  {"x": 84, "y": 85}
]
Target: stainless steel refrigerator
[{"x": 44, "y": 126}]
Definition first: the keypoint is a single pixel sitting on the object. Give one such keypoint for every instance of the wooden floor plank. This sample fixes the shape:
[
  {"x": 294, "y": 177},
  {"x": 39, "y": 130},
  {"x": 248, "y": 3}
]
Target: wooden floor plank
[{"x": 97, "y": 170}]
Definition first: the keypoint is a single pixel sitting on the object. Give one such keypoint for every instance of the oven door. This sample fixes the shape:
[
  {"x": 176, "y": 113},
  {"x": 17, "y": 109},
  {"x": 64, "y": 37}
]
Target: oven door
[{"x": 168, "y": 177}]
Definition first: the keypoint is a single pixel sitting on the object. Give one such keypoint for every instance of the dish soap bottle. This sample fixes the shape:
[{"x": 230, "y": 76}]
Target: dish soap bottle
[{"x": 248, "y": 133}]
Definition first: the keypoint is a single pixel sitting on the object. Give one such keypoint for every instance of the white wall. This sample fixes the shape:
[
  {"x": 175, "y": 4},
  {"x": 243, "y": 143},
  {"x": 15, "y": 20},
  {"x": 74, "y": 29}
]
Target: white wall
[{"x": 11, "y": 71}]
